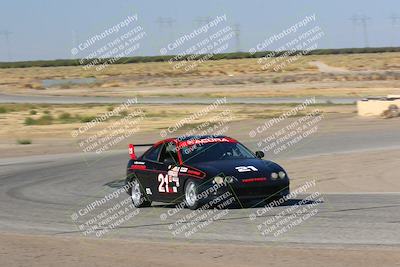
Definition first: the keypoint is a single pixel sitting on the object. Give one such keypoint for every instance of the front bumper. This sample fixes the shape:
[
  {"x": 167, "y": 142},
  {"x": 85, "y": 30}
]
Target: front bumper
[{"x": 254, "y": 191}]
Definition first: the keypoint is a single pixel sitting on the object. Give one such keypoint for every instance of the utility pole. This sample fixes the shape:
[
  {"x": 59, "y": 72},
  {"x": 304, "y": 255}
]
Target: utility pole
[
  {"x": 6, "y": 35},
  {"x": 362, "y": 20}
]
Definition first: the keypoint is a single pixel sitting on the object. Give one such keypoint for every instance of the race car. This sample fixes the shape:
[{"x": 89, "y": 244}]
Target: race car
[{"x": 180, "y": 170}]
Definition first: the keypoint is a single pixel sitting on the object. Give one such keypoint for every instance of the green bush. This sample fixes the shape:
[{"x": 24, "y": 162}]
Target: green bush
[
  {"x": 29, "y": 121},
  {"x": 86, "y": 118},
  {"x": 64, "y": 116},
  {"x": 3, "y": 110},
  {"x": 33, "y": 112},
  {"x": 46, "y": 112},
  {"x": 44, "y": 120},
  {"x": 24, "y": 141}
]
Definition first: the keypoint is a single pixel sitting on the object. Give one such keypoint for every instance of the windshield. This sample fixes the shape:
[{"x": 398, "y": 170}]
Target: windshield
[{"x": 215, "y": 151}]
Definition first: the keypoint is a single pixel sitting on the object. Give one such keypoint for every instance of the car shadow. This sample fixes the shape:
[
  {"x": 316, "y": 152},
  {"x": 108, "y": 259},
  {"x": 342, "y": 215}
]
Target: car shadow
[{"x": 250, "y": 204}]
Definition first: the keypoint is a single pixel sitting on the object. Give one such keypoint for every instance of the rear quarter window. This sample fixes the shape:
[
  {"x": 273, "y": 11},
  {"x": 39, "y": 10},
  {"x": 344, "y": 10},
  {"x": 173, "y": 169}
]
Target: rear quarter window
[{"x": 153, "y": 153}]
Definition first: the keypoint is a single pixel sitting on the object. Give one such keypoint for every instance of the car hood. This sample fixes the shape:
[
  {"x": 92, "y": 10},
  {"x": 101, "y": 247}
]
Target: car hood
[{"x": 250, "y": 168}]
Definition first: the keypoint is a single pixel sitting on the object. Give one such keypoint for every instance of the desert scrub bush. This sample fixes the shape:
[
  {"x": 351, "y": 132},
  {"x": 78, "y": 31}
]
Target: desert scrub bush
[
  {"x": 64, "y": 116},
  {"x": 86, "y": 118},
  {"x": 24, "y": 141},
  {"x": 46, "y": 112},
  {"x": 33, "y": 112},
  {"x": 43, "y": 120},
  {"x": 3, "y": 110},
  {"x": 29, "y": 121}
]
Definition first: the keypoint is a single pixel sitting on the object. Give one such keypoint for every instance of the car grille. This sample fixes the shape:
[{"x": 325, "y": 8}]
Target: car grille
[{"x": 260, "y": 191}]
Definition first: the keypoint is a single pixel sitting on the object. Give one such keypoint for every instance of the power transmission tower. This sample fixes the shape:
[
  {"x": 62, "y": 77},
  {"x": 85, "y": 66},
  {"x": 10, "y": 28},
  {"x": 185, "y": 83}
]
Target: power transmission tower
[
  {"x": 6, "y": 35},
  {"x": 362, "y": 20},
  {"x": 167, "y": 23},
  {"x": 395, "y": 19},
  {"x": 199, "y": 21},
  {"x": 74, "y": 42},
  {"x": 236, "y": 30}
]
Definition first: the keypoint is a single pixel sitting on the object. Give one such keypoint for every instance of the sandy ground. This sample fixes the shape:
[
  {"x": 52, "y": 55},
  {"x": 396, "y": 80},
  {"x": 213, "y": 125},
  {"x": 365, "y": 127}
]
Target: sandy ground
[
  {"x": 348, "y": 172},
  {"x": 27, "y": 250},
  {"x": 328, "y": 75}
]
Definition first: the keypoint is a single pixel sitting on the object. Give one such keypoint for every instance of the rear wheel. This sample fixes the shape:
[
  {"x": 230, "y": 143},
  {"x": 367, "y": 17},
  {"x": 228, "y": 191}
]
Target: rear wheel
[{"x": 139, "y": 199}]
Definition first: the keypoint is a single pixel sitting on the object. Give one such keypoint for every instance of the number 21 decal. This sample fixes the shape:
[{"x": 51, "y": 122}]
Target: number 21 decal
[
  {"x": 165, "y": 180},
  {"x": 246, "y": 169}
]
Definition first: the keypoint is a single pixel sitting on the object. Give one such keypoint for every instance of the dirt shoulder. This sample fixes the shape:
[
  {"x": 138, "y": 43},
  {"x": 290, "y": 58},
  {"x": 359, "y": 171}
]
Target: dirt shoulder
[{"x": 30, "y": 250}]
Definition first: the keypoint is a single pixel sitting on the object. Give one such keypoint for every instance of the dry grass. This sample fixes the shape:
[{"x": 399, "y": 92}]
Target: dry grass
[
  {"x": 241, "y": 77},
  {"x": 12, "y": 124}
]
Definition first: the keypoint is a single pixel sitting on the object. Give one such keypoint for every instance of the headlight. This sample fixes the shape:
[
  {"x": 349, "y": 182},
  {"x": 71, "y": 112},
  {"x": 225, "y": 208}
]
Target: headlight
[
  {"x": 274, "y": 176},
  {"x": 282, "y": 175},
  {"x": 218, "y": 180}
]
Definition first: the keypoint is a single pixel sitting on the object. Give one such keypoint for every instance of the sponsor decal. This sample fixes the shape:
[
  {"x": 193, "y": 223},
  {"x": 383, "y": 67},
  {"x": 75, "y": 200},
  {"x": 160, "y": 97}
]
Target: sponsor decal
[
  {"x": 253, "y": 180},
  {"x": 138, "y": 167},
  {"x": 206, "y": 141},
  {"x": 246, "y": 169}
]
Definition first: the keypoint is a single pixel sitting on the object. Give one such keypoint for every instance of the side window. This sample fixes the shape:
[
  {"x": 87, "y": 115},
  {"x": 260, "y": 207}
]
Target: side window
[
  {"x": 153, "y": 153},
  {"x": 169, "y": 152}
]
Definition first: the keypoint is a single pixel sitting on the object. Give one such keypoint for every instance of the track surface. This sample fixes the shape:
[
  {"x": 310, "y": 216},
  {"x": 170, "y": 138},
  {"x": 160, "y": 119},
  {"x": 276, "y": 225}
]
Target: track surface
[
  {"x": 5, "y": 98},
  {"x": 39, "y": 194}
]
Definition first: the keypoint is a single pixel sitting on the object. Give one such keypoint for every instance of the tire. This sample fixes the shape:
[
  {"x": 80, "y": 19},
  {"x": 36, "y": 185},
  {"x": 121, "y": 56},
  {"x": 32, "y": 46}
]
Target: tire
[
  {"x": 190, "y": 196},
  {"x": 138, "y": 197}
]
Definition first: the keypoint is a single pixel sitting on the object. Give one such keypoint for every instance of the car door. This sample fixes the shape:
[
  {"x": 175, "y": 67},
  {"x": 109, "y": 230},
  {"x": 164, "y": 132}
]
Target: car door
[{"x": 167, "y": 174}]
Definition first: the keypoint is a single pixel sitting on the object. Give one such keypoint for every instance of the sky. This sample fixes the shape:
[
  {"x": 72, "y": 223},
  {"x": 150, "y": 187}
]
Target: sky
[{"x": 49, "y": 29}]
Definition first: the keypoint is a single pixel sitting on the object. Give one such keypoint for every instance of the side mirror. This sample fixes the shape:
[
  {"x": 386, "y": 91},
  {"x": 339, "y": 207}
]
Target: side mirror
[{"x": 259, "y": 154}]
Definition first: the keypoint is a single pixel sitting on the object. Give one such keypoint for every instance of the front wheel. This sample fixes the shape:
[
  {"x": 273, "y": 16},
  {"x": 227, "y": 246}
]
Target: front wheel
[
  {"x": 191, "y": 195},
  {"x": 139, "y": 200}
]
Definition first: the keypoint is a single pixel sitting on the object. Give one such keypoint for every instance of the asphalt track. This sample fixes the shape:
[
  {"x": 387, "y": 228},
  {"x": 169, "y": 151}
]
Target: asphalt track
[
  {"x": 5, "y": 98},
  {"x": 39, "y": 195}
]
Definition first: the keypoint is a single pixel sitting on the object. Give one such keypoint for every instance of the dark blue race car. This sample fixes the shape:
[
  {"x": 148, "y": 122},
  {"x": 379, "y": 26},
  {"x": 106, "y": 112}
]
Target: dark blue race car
[{"x": 197, "y": 169}]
